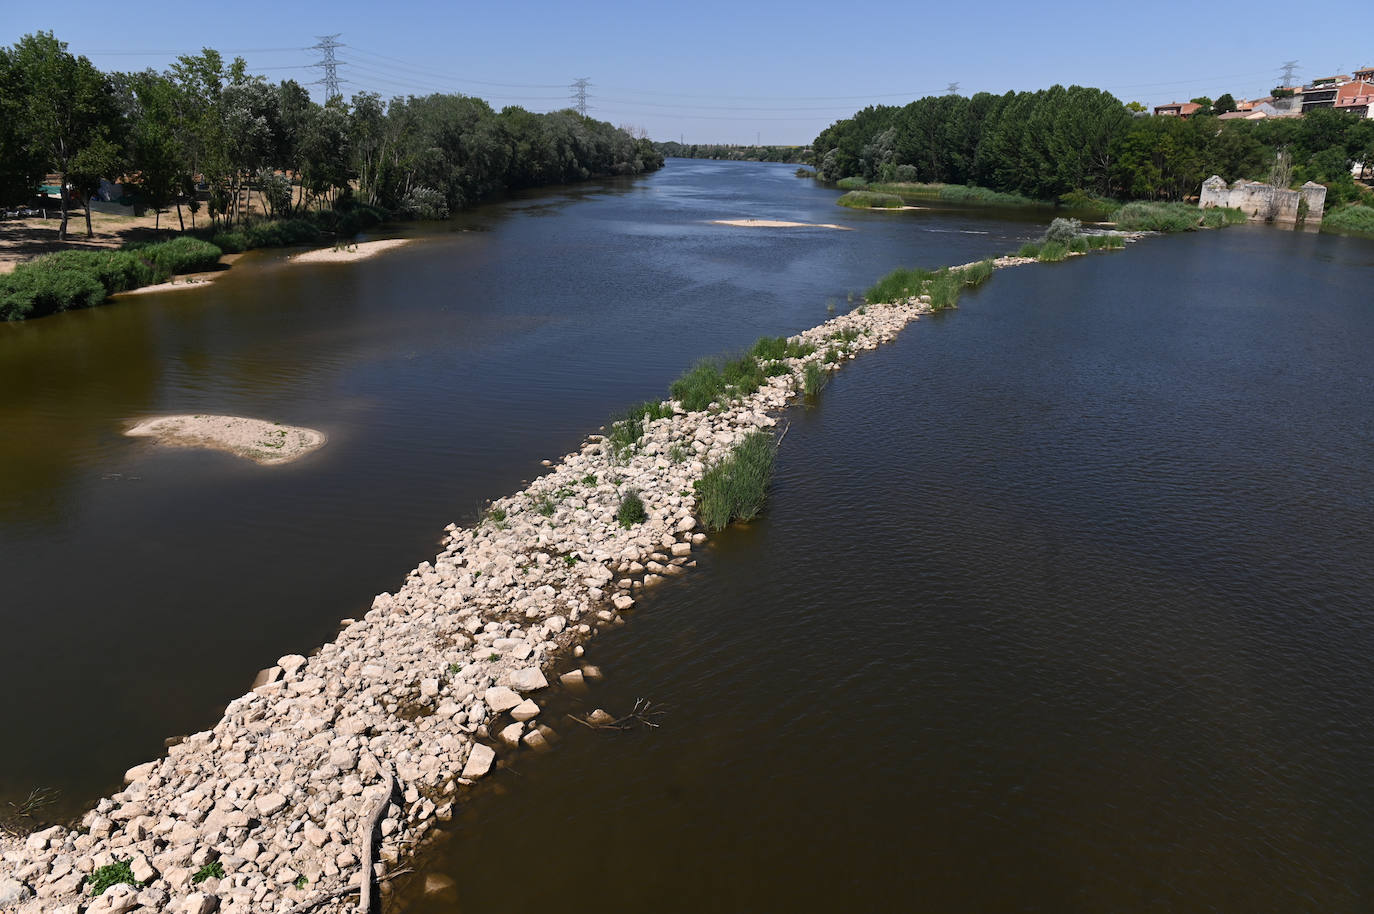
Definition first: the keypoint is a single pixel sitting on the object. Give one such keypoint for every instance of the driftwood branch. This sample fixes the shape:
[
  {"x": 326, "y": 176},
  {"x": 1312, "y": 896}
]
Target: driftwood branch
[
  {"x": 370, "y": 825},
  {"x": 643, "y": 714}
]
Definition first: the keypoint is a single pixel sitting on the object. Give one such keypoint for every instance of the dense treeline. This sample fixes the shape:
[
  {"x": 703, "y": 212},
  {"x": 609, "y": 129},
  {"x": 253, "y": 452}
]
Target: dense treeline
[
  {"x": 789, "y": 154},
  {"x": 1079, "y": 141},
  {"x": 248, "y": 141}
]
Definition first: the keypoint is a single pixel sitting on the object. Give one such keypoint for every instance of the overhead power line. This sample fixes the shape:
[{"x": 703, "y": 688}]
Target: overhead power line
[
  {"x": 327, "y": 45},
  {"x": 579, "y": 94}
]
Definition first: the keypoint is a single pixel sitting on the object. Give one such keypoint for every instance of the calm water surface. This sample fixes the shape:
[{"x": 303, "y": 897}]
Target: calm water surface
[
  {"x": 1063, "y": 602},
  {"x": 143, "y": 586}
]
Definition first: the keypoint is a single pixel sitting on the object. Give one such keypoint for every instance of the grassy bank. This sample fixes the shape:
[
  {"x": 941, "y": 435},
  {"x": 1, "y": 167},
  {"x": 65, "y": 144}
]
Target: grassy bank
[
  {"x": 80, "y": 279},
  {"x": 1173, "y": 217},
  {"x": 864, "y": 199},
  {"x": 943, "y": 285},
  {"x": 1353, "y": 218}
]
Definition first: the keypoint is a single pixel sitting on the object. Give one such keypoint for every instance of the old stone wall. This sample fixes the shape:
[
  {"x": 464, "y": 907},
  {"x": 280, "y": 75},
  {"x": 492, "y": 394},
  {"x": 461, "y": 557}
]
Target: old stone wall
[{"x": 1264, "y": 202}]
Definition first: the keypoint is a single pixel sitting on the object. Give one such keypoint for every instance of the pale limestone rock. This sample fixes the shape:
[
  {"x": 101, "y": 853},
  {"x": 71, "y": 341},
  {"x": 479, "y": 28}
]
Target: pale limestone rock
[
  {"x": 572, "y": 678},
  {"x": 592, "y": 673},
  {"x": 500, "y": 698},
  {"x": 623, "y": 601},
  {"x": 529, "y": 679},
  {"x": 479, "y": 761},
  {"x": 512, "y": 733},
  {"x": 269, "y": 803},
  {"x": 526, "y": 710}
]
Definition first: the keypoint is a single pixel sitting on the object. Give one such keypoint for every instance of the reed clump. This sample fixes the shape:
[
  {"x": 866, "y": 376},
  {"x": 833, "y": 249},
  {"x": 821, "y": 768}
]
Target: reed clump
[
  {"x": 863, "y": 199},
  {"x": 736, "y": 487}
]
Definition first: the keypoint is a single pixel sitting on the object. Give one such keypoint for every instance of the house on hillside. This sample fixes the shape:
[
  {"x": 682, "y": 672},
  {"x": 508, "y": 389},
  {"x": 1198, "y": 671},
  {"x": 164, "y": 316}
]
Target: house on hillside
[
  {"x": 1364, "y": 74},
  {"x": 1321, "y": 93},
  {"x": 1356, "y": 98},
  {"x": 1177, "y": 109}
]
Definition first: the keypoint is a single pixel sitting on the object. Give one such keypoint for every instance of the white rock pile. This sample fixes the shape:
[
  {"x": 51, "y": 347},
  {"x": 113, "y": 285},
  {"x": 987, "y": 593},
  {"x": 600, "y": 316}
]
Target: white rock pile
[{"x": 268, "y": 811}]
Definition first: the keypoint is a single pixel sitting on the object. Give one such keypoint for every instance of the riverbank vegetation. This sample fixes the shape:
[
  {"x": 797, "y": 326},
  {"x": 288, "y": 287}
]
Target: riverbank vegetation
[
  {"x": 736, "y": 487},
  {"x": 1173, "y": 217},
  {"x": 1352, "y": 218},
  {"x": 1078, "y": 144},
  {"x": 207, "y": 134},
  {"x": 799, "y": 155},
  {"x": 79, "y": 279},
  {"x": 943, "y": 285},
  {"x": 864, "y": 199}
]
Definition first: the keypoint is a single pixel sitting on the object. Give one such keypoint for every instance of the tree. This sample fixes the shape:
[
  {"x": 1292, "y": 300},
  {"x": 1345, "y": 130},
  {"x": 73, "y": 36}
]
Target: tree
[
  {"x": 1136, "y": 108},
  {"x": 1204, "y": 106},
  {"x": 20, "y": 170},
  {"x": 1224, "y": 103},
  {"x": 66, "y": 107}
]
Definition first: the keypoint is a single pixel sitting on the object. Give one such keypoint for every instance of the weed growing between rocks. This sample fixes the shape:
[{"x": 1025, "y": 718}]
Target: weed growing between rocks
[
  {"x": 212, "y": 870},
  {"x": 109, "y": 875},
  {"x": 717, "y": 380},
  {"x": 631, "y": 510},
  {"x": 735, "y": 488}
]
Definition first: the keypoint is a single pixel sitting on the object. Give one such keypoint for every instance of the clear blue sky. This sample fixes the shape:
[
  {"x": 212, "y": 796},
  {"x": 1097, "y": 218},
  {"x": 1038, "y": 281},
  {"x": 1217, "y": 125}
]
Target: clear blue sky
[{"x": 723, "y": 71}]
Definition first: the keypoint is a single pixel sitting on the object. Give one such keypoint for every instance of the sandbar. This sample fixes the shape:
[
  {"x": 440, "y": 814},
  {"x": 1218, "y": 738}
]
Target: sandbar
[
  {"x": 774, "y": 223},
  {"x": 350, "y": 252},
  {"x": 256, "y": 439}
]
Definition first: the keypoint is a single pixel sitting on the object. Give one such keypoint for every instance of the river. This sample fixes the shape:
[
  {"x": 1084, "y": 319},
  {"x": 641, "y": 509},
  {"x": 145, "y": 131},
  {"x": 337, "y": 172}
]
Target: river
[{"x": 1061, "y": 601}]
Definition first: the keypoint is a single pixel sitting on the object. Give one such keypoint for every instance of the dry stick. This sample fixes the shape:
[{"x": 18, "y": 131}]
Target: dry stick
[{"x": 369, "y": 836}]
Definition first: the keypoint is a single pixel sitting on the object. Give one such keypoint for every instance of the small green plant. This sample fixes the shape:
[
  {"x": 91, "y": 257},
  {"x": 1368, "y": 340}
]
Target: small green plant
[
  {"x": 979, "y": 273},
  {"x": 570, "y": 560},
  {"x": 676, "y": 454},
  {"x": 901, "y": 283},
  {"x": 111, "y": 874},
  {"x": 497, "y": 515},
  {"x": 455, "y": 668},
  {"x": 944, "y": 290},
  {"x": 832, "y": 356},
  {"x": 813, "y": 378},
  {"x": 863, "y": 309},
  {"x": 493, "y": 657},
  {"x": 631, "y": 510},
  {"x": 301, "y": 882},
  {"x": 212, "y": 870},
  {"x": 545, "y": 506},
  {"x": 589, "y": 479}
]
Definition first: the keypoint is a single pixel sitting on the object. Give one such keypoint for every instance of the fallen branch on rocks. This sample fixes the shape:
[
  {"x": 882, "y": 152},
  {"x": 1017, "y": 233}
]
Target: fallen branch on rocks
[
  {"x": 643, "y": 714},
  {"x": 370, "y": 824},
  {"x": 20, "y": 820}
]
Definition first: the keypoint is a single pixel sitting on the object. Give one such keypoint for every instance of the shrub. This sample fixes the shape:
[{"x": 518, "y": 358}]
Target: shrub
[
  {"x": 780, "y": 347},
  {"x": 34, "y": 291},
  {"x": 851, "y": 184},
  {"x": 863, "y": 199},
  {"x": 1053, "y": 252},
  {"x": 1083, "y": 200},
  {"x": 1029, "y": 249},
  {"x": 230, "y": 242},
  {"x": 111, "y": 874},
  {"x": 182, "y": 255},
  {"x": 1078, "y": 245},
  {"x": 631, "y": 510},
  {"x": 735, "y": 488},
  {"x": 1063, "y": 230},
  {"x": 1353, "y": 218},
  {"x": 1172, "y": 217},
  {"x": 1115, "y": 243}
]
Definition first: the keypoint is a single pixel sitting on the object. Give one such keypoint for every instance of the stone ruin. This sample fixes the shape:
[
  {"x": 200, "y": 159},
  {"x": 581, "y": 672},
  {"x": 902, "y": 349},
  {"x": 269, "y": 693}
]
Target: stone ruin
[{"x": 1265, "y": 202}]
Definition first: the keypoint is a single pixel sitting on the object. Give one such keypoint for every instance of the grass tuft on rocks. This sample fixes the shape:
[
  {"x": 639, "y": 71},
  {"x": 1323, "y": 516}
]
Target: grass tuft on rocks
[
  {"x": 105, "y": 877},
  {"x": 717, "y": 380},
  {"x": 901, "y": 283},
  {"x": 1053, "y": 252},
  {"x": 736, "y": 487},
  {"x": 631, "y": 510}
]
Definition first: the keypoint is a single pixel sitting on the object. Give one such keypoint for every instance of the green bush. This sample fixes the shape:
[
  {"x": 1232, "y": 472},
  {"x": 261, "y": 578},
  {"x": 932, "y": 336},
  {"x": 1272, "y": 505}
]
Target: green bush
[
  {"x": 631, "y": 510},
  {"x": 1063, "y": 230},
  {"x": 1088, "y": 202},
  {"x": 1029, "y": 249},
  {"x": 780, "y": 347},
  {"x": 851, "y": 184},
  {"x": 863, "y": 199},
  {"x": 1353, "y": 218},
  {"x": 111, "y": 874},
  {"x": 34, "y": 291},
  {"x": 1078, "y": 245},
  {"x": 735, "y": 488},
  {"x": 1173, "y": 217},
  {"x": 1115, "y": 243},
  {"x": 214, "y": 869},
  {"x": 1053, "y": 252},
  {"x": 230, "y": 242},
  {"x": 955, "y": 193},
  {"x": 182, "y": 255}
]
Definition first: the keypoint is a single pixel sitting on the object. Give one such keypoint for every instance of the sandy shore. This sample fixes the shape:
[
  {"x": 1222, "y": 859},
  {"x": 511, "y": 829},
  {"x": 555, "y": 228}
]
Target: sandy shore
[
  {"x": 350, "y": 252},
  {"x": 258, "y": 440},
  {"x": 774, "y": 223}
]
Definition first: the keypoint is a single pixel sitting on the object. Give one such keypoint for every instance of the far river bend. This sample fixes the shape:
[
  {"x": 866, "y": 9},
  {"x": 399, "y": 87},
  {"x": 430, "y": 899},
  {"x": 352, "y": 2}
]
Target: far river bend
[{"x": 1062, "y": 602}]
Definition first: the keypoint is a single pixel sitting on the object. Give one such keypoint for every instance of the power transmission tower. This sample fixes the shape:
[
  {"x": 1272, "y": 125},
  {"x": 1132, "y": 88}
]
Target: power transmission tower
[
  {"x": 952, "y": 89},
  {"x": 330, "y": 65},
  {"x": 1288, "y": 67},
  {"x": 579, "y": 89}
]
